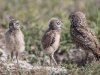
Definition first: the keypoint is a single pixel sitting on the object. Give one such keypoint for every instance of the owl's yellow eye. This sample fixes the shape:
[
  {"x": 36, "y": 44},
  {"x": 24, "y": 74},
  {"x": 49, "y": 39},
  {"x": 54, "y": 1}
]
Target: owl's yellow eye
[{"x": 17, "y": 24}]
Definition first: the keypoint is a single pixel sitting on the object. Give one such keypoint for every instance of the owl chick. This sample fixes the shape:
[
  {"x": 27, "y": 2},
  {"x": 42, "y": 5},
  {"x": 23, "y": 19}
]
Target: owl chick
[
  {"x": 14, "y": 39},
  {"x": 82, "y": 35},
  {"x": 51, "y": 38}
]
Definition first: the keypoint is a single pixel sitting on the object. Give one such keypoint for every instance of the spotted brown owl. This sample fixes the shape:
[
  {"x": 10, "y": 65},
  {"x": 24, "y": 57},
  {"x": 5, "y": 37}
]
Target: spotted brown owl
[{"x": 82, "y": 35}]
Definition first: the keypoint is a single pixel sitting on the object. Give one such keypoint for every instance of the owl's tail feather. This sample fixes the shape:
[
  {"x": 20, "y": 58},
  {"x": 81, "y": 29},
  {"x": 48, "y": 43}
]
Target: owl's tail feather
[{"x": 97, "y": 56}]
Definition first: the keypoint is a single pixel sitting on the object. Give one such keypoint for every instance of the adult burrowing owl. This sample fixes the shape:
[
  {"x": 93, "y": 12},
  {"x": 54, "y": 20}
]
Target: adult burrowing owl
[
  {"x": 82, "y": 35},
  {"x": 14, "y": 39},
  {"x": 51, "y": 38}
]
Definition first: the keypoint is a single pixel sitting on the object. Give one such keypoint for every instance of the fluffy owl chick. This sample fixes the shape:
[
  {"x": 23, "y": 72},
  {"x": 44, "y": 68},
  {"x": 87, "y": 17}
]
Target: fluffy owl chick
[
  {"x": 51, "y": 38},
  {"x": 14, "y": 39},
  {"x": 82, "y": 35}
]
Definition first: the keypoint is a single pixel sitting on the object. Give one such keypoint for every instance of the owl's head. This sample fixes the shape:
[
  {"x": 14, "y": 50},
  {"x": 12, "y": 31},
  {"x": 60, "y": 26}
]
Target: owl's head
[
  {"x": 77, "y": 18},
  {"x": 54, "y": 23},
  {"x": 14, "y": 24}
]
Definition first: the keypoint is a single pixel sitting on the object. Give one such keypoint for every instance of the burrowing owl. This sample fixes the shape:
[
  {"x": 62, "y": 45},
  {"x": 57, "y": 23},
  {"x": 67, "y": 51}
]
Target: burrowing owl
[
  {"x": 14, "y": 39},
  {"x": 82, "y": 35},
  {"x": 51, "y": 38}
]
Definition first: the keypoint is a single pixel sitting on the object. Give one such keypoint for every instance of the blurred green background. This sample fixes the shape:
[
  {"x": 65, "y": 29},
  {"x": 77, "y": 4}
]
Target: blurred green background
[{"x": 35, "y": 14}]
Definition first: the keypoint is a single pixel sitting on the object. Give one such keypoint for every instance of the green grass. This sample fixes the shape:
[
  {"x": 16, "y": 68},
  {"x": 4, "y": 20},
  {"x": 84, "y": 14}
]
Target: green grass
[{"x": 34, "y": 16}]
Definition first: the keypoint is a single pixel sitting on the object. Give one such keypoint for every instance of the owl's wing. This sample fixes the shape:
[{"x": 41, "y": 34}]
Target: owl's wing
[
  {"x": 48, "y": 39},
  {"x": 87, "y": 39}
]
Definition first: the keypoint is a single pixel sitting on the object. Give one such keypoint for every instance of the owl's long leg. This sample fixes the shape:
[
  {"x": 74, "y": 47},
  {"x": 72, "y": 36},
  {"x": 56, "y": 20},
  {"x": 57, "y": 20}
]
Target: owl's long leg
[
  {"x": 50, "y": 60},
  {"x": 86, "y": 58},
  {"x": 54, "y": 59},
  {"x": 17, "y": 56},
  {"x": 12, "y": 56}
]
